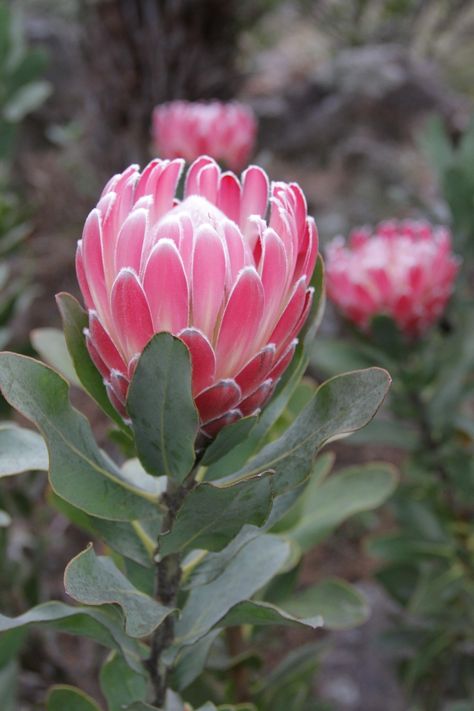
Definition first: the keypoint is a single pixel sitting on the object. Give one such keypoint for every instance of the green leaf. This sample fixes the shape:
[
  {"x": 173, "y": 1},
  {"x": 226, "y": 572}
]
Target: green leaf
[
  {"x": 103, "y": 625},
  {"x": 288, "y": 508},
  {"x": 228, "y": 438},
  {"x": 131, "y": 540},
  {"x": 51, "y": 346},
  {"x": 97, "y": 581},
  {"x": 79, "y": 472},
  {"x": 316, "y": 313},
  {"x": 212, "y": 515},
  {"x": 62, "y": 697},
  {"x": 75, "y": 320},
  {"x": 355, "y": 489},
  {"x": 161, "y": 407},
  {"x": 340, "y": 406},
  {"x": 253, "y": 565},
  {"x": 21, "y": 450},
  {"x": 191, "y": 661},
  {"x": 121, "y": 685},
  {"x": 332, "y": 604}
]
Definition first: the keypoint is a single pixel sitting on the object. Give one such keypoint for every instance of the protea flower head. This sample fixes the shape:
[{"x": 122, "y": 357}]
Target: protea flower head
[
  {"x": 209, "y": 269},
  {"x": 405, "y": 270},
  {"x": 224, "y": 131}
]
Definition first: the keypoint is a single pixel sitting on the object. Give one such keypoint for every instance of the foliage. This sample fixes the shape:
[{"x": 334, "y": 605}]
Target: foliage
[
  {"x": 428, "y": 564},
  {"x": 231, "y": 524}
]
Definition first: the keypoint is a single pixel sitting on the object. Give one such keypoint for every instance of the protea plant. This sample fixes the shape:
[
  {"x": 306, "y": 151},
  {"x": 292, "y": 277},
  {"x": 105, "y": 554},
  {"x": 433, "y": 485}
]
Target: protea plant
[
  {"x": 211, "y": 269},
  {"x": 405, "y": 270}
]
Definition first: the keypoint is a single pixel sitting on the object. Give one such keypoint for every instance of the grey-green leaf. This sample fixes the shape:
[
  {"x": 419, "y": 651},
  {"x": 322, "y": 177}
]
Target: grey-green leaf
[
  {"x": 21, "y": 450},
  {"x": 79, "y": 472},
  {"x": 121, "y": 685},
  {"x": 332, "y": 604},
  {"x": 340, "y": 406},
  {"x": 50, "y": 343},
  {"x": 95, "y": 580},
  {"x": 355, "y": 489},
  {"x": 160, "y": 404},
  {"x": 247, "y": 571},
  {"x": 62, "y": 697},
  {"x": 103, "y": 625},
  {"x": 212, "y": 515}
]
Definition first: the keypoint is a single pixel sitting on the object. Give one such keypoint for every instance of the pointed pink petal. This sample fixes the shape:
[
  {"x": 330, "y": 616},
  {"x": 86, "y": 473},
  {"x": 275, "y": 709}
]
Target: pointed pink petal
[
  {"x": 154, "y": 168},
  {"x": 166, "y": 187},
  {"x": 82, "y": 278},
  {"x": 256, "y": 370},
  {"x": 229, "y": 196},
  {"x": 273, "y": 271},
  {"x": 254, "y": 193},
  {"x": 238, "y": 334},
  {"x": 128, "y": 250},
  {"x": 191, "y": 185},
  {"x": 186, "y": 244},
  {"x": 93, "y": 263},
  {"x": 203, "y": 360},
  {"x": 208, "y": 182},
  {"x": 168, "y": 228},
  {"x": 218, "y": 399},
  {"x": 119, "y": 384},
  {"x": 284, "y": 361},
  {"x": 257, "y": 399},
  {"x": 166, "y": 288},
  {"x": 130, "y": 313},
  {"x": 209, "y": 275},
  {"x": 300, "y": 322},
  {"x": 300, "y": 208},
  {"x": 290, "y": 315},
  {"x": 95, "y": 357},
  {"x": 104, "y": 344},
  {"x": 239, "y": 257},
  {"x": 213, "y": 427},
  {"x": 119, "y": 406}
]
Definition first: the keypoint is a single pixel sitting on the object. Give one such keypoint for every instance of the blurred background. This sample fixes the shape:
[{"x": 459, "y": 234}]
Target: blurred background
[{"x": 355, "y": 99}]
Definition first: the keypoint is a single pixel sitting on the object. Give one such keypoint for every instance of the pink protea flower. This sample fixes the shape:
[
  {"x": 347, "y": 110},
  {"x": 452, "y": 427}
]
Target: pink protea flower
[
  {"x": 404, "y": 270},
  {"x": 185, "y": 129},
  {"x": 209, "y": 269}
]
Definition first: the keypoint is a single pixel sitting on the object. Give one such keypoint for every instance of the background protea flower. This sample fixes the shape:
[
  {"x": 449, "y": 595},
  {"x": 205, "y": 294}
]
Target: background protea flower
[
  {"x": 405, "y": 270},
  {"x": 224, "y": 131},
  {"x": 209, "y": 269}
]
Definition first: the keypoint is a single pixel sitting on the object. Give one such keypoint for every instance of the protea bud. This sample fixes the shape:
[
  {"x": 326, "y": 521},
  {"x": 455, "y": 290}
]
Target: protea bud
[
  {"x": 208, "y": 269},
  {"x": 224, "y": 131},
  {"x": 405, "y": 270}
]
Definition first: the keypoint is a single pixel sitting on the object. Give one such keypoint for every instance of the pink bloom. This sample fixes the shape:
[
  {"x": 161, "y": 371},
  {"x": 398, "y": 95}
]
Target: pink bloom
[
  {"x": 209, "y": 269},
  {"x": 405, "y": 270},
  {"x": 185, "y": 129}
]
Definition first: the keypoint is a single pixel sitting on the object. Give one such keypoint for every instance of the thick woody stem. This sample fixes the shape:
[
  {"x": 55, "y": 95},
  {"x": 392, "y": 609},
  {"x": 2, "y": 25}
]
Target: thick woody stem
[{"x": 168, "y": 577}]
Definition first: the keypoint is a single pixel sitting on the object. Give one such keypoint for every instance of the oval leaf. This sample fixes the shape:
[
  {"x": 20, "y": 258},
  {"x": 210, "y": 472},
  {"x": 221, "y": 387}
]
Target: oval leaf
[
  {"x": 160, "y": 404},
  {"x": 78, "y": 471},
  {"x": 21, "y": 450},
  {"x": 95, "y": 580}
]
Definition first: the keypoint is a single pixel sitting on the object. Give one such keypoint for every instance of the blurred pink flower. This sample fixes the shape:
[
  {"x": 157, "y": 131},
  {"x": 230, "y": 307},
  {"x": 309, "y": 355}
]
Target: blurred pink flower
[
  {"x": 185, "y": 129},
  {"x": 405, "y": 270},
  {"x": 209, "y": 269}
]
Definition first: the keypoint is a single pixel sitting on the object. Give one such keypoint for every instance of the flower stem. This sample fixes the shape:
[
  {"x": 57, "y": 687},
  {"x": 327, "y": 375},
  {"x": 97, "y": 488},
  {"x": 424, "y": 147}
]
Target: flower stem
[{"x": 168, "y": 578}]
